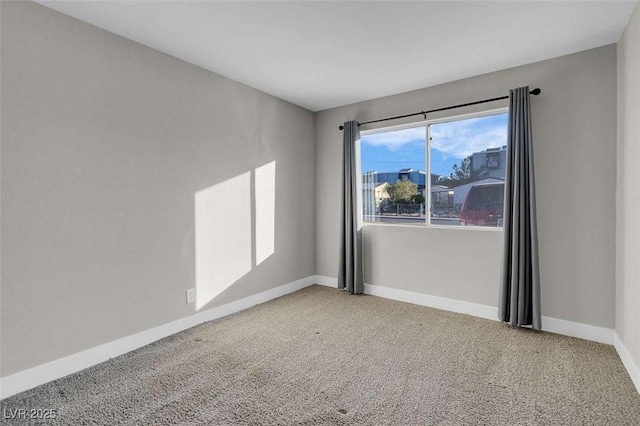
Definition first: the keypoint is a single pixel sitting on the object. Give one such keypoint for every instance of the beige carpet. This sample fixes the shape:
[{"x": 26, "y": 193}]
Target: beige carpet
[{"x": 320, "y": 356}]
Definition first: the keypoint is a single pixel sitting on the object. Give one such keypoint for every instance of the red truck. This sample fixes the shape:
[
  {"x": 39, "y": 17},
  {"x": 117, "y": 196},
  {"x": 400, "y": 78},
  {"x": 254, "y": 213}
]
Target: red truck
[{"x": 484, "y": 205}]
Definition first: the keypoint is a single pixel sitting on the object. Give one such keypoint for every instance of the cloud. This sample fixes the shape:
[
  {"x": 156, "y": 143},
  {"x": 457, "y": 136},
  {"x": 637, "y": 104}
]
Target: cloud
[
  {"x": 454, "y": 139},
  {"x": 459, "y": 139},
  {"x": 395, "y": 140}
]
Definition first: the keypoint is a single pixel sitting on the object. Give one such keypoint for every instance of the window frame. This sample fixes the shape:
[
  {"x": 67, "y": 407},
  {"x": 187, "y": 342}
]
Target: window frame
[{"x": 426, "y": 124}]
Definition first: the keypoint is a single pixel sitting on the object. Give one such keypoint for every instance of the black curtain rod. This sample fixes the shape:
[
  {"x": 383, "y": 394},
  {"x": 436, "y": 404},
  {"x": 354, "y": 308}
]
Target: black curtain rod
[{"x": 534, "y": 92}]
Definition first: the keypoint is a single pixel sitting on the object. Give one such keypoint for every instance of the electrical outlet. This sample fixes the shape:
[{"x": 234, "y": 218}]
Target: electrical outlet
[{"x": 191, "y": 295}]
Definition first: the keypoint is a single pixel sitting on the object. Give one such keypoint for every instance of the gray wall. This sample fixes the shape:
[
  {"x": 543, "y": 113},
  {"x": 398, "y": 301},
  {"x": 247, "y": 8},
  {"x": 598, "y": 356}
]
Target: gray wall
[
  {"x": 628, "y": 189},
  {"x": 575, "y": 138},
  {"x": 104, "y": 144}
]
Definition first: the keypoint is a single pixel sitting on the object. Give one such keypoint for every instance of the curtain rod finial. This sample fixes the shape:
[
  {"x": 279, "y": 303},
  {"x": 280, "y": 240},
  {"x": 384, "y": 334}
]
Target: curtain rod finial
[
  {"x": 341, "y": 127},
  {"x": 536, "y": 91}
]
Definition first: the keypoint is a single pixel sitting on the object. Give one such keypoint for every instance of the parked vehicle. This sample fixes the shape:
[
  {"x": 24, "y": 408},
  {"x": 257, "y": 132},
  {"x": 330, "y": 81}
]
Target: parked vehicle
[{"x": 484, "y": 205}]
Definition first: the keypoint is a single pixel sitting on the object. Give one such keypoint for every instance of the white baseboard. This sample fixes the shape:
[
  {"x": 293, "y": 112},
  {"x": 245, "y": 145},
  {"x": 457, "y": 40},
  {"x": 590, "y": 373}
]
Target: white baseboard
[
  {"x": 627, "y": 361},
  {"x": 443, "y": 303},
  {"x": 326, "y": 281},
  {"x": 53, "y": 370},
  {"x": 553, "y": 325},
  {"x": 579, "y": 330}
]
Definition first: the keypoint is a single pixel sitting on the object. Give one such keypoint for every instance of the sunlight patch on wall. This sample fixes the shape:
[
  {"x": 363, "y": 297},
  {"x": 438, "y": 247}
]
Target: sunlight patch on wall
[
  {"x": 222, "y": 236},
  {"x": 265, "y": 202}
]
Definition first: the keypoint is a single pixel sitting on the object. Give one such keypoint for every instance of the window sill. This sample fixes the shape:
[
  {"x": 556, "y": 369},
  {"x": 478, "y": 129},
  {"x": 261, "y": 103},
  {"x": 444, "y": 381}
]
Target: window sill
[{"x": 443, "y": 227}]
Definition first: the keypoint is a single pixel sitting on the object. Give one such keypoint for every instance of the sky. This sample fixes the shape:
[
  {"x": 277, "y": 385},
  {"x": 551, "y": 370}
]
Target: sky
[{"x": 450, "y": 142}]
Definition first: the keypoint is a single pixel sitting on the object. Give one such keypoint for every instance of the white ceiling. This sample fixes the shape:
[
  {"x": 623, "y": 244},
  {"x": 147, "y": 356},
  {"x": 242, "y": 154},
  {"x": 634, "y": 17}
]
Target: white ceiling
[{"x": 325, "y": 54}]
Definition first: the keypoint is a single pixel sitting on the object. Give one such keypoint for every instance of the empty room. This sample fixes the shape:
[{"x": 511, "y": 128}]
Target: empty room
[{"x": 320, "y": 212}]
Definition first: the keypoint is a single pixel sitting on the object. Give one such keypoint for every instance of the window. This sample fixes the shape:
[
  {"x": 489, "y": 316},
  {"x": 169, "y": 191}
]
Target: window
[
  {"x": 445, "y": 172},
  {"x": 393, "y": 179}
]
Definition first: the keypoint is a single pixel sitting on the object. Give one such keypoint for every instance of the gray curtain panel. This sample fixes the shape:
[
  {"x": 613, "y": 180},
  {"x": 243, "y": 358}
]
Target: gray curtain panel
[
  {"x": 520, "y": 287},
  {"x": 350, "y": 275}
]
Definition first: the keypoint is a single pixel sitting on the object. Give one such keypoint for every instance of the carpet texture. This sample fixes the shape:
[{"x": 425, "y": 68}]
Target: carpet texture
[{"x": 291, "y": 361}]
